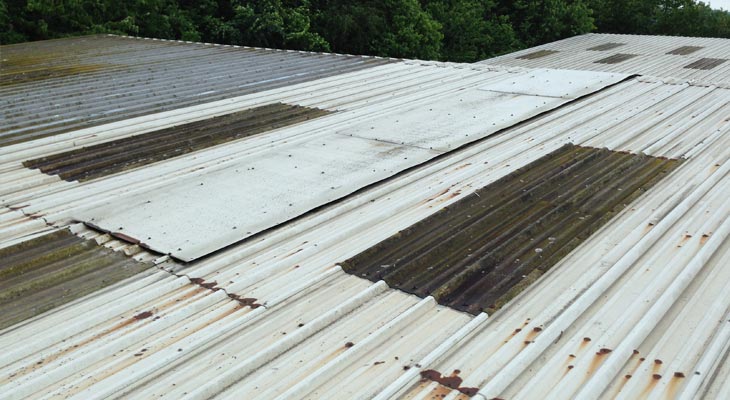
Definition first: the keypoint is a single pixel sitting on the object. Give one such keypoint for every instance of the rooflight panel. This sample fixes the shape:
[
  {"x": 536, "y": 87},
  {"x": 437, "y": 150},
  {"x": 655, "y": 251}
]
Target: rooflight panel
[
  {"x": 705, "y": 63},
  {"x": 537, "y": 54},
  {"x": 684, "y": 50},
  {"x": 122, "y": 154},
  {"x": 478, "y": 253},
  {"x": 606, "y": 46},
  {"x": 615, "y": 59}
]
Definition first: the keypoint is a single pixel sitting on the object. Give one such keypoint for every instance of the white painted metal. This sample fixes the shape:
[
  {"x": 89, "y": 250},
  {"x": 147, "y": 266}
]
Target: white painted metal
[
  {"x": 650, "y": 56},
  {"x": 193, "y": 218}
]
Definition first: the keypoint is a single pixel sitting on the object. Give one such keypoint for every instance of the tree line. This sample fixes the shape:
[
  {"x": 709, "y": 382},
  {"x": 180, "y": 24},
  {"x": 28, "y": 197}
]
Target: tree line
[{"x": 451, "y": 30}]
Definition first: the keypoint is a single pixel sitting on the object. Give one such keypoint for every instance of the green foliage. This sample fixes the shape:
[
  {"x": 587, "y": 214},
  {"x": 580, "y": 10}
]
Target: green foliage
[
  {"x": 660, "y": 17},
  {"x": 454, "y": 30},
  {"x": 472, "y": 29},
  {"x": 537, "y": 22},
  {"x": 395, "y": 28}
]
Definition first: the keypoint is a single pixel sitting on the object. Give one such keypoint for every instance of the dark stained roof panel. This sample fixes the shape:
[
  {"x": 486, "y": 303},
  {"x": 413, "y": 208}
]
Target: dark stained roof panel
[
  {"x": 130, "y": 152},
  {"x": 705, "y": 63},
  {"x": 478, "y": 253},
  {"x": 537, "y": 54},
  {"x": 606, "y": 46},
  {"x": 43, "y": 273},
  {"x": 615, "y": 59},
  {"x": 684, "y": 50}
]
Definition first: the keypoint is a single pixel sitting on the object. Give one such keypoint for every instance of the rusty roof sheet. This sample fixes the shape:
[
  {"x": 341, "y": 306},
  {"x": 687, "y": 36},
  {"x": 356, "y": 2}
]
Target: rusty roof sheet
[{"x": 276, "y": 317}]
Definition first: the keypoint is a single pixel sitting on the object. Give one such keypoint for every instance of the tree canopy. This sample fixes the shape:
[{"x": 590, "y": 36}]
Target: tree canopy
[{"x": 453, "y": 30}]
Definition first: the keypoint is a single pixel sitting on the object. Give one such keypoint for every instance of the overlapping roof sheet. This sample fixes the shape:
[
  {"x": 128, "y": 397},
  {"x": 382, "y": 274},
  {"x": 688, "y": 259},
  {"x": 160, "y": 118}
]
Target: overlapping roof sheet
[
  {"x": 706, "y": 60},
  {"x": 638, "y": 308}
]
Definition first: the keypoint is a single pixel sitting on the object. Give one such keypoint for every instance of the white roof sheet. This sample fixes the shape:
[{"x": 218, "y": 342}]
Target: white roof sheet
[
  {"x": 650, "y": 55},
  {"x": 330, "y": 158}
]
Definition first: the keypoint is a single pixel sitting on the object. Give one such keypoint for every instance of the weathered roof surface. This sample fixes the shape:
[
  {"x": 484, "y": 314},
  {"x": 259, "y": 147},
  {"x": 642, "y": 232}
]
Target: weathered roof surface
[
  {"x": 275, "y": 316},
  {"x": 368, "y": 136},
  {"x": 56, "y": 86},
  {"x": 702, "y": 59}
]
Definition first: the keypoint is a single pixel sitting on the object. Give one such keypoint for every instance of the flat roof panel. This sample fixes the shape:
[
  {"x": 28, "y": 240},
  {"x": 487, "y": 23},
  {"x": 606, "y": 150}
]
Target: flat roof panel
[{"x": 199, "y": 216}]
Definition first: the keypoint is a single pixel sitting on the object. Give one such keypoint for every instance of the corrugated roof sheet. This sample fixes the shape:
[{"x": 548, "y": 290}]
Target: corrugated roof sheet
[
  {"x": 276, "y": 317},
  {"x": 661, "y": 56},
  {"x": 56, "y": 86}
]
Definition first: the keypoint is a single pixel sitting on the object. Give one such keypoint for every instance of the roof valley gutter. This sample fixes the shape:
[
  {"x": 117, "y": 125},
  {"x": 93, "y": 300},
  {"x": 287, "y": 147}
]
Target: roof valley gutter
[{"x": 519, "y": 363}]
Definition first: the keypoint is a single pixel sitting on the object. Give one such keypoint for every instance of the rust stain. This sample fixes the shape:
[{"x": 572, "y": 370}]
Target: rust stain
[
  {"x": 447, "y": 383},
  {"x": 674, "y": 384},
  {"x": 684, "y": 240},
  {"x": 213, "y": 286},
  {"x": 631, "y": 370},
  {"x": 125, "y": 237},
  {"x": 651, "y": 384},
  {"x": 596, "y": 362},
  {"x": 532, "y": 334},
  {"x": 143, "y": 315},
  {"x": 439, "y": 391},
  {"x": 439, "y": 194}
]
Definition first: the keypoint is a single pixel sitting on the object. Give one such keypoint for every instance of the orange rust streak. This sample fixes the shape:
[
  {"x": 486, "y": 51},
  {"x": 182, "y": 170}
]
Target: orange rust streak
[
  {"x": 649, "y": 387},
  {"x": 673, "y": 386}
]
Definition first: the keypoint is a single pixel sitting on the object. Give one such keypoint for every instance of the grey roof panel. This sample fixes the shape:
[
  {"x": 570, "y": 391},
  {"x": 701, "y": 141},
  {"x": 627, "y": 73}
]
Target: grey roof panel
[
  {"x": 658, "y": 56},
  {"x": 53, "y": 87}
]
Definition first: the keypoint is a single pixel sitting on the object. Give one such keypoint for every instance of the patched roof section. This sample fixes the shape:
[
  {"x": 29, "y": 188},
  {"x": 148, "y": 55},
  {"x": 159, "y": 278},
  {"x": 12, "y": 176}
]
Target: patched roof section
[
  {"x": 135, "y": 151},
  {"x": 606, "y": 46},
  {"x": 706, "y": 63},
  {"x": 616, "y": 58},
  {"x": 684, "y": 50},
  {"x": 538, "y": 54},
  {"x": 43, "y": 273},
  {"x": 480, "y": 252}
]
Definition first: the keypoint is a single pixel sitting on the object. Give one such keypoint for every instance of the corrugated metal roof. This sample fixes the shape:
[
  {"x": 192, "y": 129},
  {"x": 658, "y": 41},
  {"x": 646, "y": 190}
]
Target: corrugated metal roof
[
  {"x": 476, "y": 254},
  {"x": 276, "y": 317},
  {"x": 56, "y": 86},
  {"x": 661, "y": 56},
  {"x": 53, "y": 269},
  {"x": 330, "y": 158}
]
